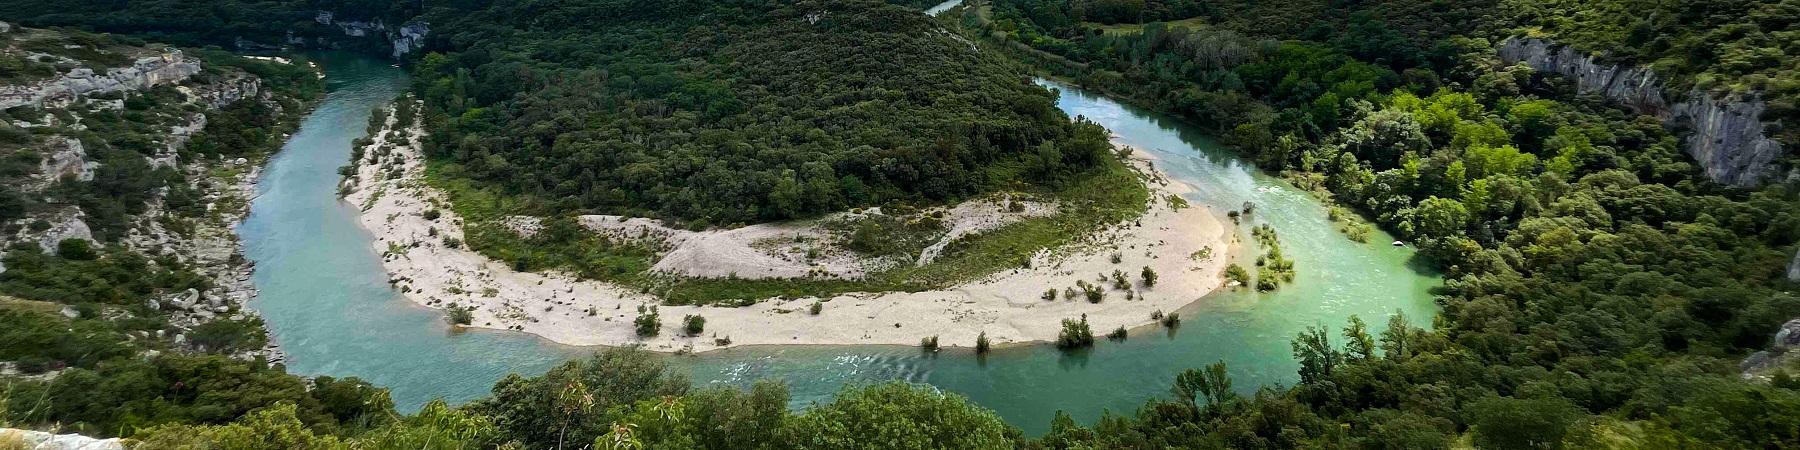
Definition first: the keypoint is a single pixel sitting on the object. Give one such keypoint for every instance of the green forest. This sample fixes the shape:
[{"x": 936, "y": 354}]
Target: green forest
[
  {"x": 1597, "y": 287},
  {"x": 715, "y": 113},
  {"x": 1599, "y": 291}
]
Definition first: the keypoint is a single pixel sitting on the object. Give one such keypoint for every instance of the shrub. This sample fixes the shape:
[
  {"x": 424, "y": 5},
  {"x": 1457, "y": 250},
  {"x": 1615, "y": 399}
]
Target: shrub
[
  {"x": 929, "y": 343},
  {"x": 1075, "y": 334},
  {"x": 693, "y": 324},
  {"x": 431, "y": 214},
  {"x": 981, "y": 344},
  {"x": 1149, "y": 277},
  {"x": 817, "y": 306},
  {"x": 1171, "y": 320},
  {"x": 1117, "y": 334},
  {"x": 1237, "y": 273},
  {"x": 1094, "y": 294},
  {"x": 648, "y": 322},
  {"x": 76, "y": 249},
  {"x": 459, "y": 315}
]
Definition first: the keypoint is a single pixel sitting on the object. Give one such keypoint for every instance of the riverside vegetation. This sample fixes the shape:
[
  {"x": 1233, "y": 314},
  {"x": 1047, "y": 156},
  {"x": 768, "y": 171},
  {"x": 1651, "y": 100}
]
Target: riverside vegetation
[
  {"x": 763, "y": 123},
  {"x": 1597, "y": 286},
  {"x": 1599, "y": 290}
]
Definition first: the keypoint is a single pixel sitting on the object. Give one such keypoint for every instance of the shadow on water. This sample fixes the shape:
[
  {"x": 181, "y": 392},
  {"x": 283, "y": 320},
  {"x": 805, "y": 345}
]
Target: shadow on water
[{"x": 328, "y": 303}]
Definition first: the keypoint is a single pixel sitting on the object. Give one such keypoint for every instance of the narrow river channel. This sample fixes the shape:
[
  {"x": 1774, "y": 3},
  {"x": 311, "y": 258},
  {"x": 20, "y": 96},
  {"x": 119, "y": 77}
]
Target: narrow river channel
[{"x": 327, "y": 301}]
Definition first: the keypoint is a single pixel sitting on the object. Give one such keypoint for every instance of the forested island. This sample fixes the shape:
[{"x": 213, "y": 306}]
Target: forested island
[{"x": 1619, "y": 251}]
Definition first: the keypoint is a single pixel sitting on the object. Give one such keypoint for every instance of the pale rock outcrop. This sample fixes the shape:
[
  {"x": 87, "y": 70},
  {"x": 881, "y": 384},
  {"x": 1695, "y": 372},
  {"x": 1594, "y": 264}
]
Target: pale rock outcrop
[
  {"x": 405, "y": 39},
  {"x": 38, "y": 440},
  {"x": 222, "y": 94},
  {"x": 1779, "y": 353},
  {"x": 62, "y": 228},
  {"x": 146, "y": 72},
  {"x": 1727, "y": 131},
  {"x": 1794, "y": 267},
  {"x": 66, "y": 159}
]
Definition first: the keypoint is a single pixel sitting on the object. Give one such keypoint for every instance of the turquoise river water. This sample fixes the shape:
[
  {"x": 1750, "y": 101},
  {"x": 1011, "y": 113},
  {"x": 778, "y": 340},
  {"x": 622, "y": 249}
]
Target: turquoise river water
[{"x": 326, "y": 299}]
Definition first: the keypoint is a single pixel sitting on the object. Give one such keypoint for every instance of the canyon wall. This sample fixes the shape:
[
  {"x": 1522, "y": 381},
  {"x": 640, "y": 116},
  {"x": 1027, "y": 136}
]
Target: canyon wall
[
  {"x": 146, "y": 72},
  {"x": 404, "y": 39},
  {"x": 1726, "y": 136}
]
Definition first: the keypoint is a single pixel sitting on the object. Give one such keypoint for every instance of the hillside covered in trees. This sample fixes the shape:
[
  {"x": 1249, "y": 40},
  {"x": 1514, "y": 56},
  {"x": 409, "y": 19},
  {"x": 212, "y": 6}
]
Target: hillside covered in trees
[
  {"x": 1598, "y": 287},
  {"x": 733, "y": 111},
  {"x": 1600, "y": 292}
]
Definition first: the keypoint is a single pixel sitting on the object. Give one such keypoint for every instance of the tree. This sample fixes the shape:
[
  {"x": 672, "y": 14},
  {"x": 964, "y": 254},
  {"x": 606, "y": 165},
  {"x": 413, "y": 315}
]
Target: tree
[
  {"x": 1441, "y": 217},
  {"x": 1317, "y": 356},
  {"x": 1357, "y": 343},
  {"x": 1075, "y": 334},
  {"x": 1149, "y": 277},
  {"x": 273, "y": 428},
  {"x": 565, "y": 404},
  {"x": 648, "y": 322},
  {"x": 1396, "y": 340},
  {"x": 898, "y": 415},
  {"x": 693, "y": 324},
  {"x": 1212, "y": 383},
  {"x": 1504, "y": 422}
]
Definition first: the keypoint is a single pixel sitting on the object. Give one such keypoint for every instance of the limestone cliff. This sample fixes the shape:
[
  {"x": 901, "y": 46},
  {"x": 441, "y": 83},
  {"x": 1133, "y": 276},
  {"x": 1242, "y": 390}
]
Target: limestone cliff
[
  {"x": 172, "y": 97},
  {"x": 144, "y": 73},
  {"x": 1726, "y": 138},
  {"x": 402, "y": 40}
]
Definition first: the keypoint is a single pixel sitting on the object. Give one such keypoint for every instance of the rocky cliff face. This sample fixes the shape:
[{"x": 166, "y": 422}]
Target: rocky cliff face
[
  {"x": 146, "y": 72},
  {"x": 1794, "y": 267},
  {"x": 1727, "y": 133},
  {"x": 405, "y": 39}
]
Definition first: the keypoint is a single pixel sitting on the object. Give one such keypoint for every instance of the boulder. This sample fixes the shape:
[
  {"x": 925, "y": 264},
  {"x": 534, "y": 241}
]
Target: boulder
[
  {"x": 67, "y": 158},
  {"x": 64, "y": 227},
  {"x": 1788, "y": 335}
]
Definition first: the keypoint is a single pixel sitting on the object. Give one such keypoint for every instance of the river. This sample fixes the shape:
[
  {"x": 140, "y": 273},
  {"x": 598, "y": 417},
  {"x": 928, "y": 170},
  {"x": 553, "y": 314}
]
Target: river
[{"x": 327, "y": 302}]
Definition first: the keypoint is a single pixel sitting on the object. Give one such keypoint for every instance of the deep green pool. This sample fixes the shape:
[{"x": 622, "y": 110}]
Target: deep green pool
[{"x": 325, "y": 297}]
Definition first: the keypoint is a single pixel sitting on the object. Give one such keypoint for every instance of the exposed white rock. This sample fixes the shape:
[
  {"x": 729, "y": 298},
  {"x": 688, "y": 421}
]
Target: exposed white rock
[
  {"x": 64, "y": 227},
  {"x": 1727, "y": 139},
  {"x": 146, "y": 72},
  {"x": 66, "y": 158},
  {"x": 1794, "y": 267},
  {"x": 404, "y": 39},
  {"x": 38, "y": 440}
]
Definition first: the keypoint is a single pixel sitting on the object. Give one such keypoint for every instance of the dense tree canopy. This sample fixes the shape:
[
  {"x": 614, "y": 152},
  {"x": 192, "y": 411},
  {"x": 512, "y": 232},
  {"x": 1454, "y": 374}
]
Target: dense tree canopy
[
  {"x": 1590, "y": 270},
  {"x": 731, "y": 111}
]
